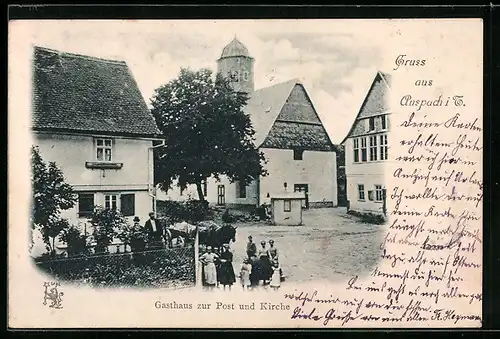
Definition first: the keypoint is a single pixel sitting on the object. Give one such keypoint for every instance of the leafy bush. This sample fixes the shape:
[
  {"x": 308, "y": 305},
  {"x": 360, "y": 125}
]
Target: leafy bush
[
  {"x": 148, "y": 269},
  {"x": 134, "y": 236},
  {"x": 108, "y": 224},
  {"x": 76, "y": 242},
  {"x": 196, "y": 210},
  {"x": 174, "y": 210},
  {"x": 189, "y": 211}
]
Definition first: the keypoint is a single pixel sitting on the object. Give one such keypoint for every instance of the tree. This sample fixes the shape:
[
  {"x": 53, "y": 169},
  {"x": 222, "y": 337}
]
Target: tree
[
  {"x": 51, "y": 195},
  {"x": 108, "y": 224},
  {"x": 206, "y": 132}
]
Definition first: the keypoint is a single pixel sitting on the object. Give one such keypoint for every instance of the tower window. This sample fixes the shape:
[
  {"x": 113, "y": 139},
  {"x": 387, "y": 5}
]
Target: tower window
[{"x": 298, "y": 154}]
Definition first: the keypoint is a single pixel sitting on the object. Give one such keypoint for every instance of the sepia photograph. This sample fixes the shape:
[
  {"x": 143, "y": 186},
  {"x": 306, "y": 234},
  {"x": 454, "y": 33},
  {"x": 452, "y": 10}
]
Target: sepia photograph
[
  {"x": 303, "y": 167},
  {"x": 194, "y": 153}
]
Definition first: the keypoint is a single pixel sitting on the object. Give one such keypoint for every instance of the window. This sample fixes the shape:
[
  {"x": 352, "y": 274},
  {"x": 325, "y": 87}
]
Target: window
[
  {"x": 287, "y": 205},
  {"x": 127, "y": 202},
  {"x": 361, "y": 192},
  {"x": 234, "y": 76},
  {"x": 363, "y": 150},
  {"x": 379, "y": 193},
  {"x": 383, "y": 147},
  {"x": 85, "y": 204},
  {"x": 298, "y": 154},
  {"x": 373, "y": 148},
  {"x": 383, "y": 122},
  {"x": 371, "y": 124},
  {"x": 205, "y": 187},
  {"x": 110, "y": 202},
  {"x": 245, "y": 76},
  {"x": 103, "y": 149},
  {"x": 241, "y": 189},
  {"x": 356, "y": 150}
]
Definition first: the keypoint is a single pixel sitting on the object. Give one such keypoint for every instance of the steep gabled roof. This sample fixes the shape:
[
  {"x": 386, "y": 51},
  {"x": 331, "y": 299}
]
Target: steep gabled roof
[
  {"x": 265, "y": 105},
  {"x": 79, "y": 93},
  {"x": 375, "y": 102},
  {"x": 280, "y": 123}
]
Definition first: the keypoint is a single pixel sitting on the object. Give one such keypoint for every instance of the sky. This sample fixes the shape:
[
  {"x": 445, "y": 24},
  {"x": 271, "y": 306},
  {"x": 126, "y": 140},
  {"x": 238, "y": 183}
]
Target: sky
[{"x": 336, "y": 60}]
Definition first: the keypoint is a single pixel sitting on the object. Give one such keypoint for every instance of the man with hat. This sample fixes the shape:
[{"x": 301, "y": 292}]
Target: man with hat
[
  {"x": 153, "y": 230},
  {"x": 136, "y": 241},
  {"x": 251, "y": 248}
]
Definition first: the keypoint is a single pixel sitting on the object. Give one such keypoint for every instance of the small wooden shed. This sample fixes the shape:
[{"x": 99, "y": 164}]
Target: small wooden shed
[{"x": 286, "y": 208}]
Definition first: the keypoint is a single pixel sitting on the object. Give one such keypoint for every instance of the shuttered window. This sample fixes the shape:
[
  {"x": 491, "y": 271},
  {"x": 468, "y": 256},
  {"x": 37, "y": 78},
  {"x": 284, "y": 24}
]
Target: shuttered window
[
  {"x": 85, "y": 204},
  {"x": 127, "y": 202}
]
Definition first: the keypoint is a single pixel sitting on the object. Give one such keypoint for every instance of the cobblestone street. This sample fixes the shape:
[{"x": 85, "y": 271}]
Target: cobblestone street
[{"x": 331, "y": 245}]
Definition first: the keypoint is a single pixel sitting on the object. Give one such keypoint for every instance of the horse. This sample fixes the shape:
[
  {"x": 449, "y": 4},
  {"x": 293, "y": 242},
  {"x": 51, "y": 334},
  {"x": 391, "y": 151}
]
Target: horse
[{"x": 216, "y": 237}]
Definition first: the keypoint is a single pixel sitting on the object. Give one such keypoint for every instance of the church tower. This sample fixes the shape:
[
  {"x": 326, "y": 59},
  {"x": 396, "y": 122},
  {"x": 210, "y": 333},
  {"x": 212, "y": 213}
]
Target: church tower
[{"x": 236, "y": 64}]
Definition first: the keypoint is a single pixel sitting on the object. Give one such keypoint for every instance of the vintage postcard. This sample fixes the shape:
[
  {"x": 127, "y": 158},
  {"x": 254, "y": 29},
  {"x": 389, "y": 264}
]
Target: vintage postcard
[{"x": 245, "y": 173}]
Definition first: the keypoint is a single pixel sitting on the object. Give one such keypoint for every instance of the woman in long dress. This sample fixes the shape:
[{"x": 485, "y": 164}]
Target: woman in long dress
[
  {"x": 265, "y": 268},
  {"x": 273, "y": 252},
  {"x": 226, "y": 271},
  {"x": 208, "y": 260}
]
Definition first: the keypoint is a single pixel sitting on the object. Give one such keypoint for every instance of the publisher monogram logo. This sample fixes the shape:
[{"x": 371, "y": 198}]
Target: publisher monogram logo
[{"x": 52, "y": 295}]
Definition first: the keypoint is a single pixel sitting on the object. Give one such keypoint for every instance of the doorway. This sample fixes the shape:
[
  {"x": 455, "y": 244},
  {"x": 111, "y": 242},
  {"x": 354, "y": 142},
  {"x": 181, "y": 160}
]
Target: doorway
[
  {"x": 303, "y": 188},
  {"x": 221, "y": 195}
]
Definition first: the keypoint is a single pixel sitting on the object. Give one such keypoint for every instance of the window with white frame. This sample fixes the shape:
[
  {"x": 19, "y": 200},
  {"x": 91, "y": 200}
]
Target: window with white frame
[
  {"x": 373, "y": 148},
  {"x": 361, "y": 192},
  {"x": 383, "y": 122},
  {"x": 104, "y": 149},
  {"x": 378, "y": 193},
  {"x": 287, "y": 205},
  {"x": 383, "y": 147},
  {"x": 363, "y": 150},
  {"x": 111, "y": 201},
  {"x": 356, "y": 149}
]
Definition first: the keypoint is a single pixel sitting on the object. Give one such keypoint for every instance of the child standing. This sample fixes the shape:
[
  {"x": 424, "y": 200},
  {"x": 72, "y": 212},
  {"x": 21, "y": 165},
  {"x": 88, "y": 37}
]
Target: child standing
[
  {"x": 246, "y": 269},
  {"x": 276, "y": 277}
]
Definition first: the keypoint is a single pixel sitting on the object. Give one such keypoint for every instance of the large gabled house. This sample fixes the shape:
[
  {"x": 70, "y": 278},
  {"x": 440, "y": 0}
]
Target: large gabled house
[
  {"x": 366, "y": 150},
  {"x": 300, "y": 155},
  {"x": 89, "y": 116}
]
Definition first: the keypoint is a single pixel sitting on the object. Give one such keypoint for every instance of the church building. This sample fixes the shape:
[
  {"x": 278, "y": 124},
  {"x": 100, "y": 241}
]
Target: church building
[{"x": 300, "y": 155}]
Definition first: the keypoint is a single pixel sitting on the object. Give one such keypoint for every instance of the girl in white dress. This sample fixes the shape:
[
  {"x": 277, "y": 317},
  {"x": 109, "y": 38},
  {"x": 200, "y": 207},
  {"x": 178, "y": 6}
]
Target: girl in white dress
[
  {"x": 246, "y": 269},
  {"x": 276, "y": 277}
]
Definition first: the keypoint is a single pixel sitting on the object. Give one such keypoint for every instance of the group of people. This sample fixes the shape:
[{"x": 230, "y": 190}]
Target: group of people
[
  {"x": 152, "y": 230},
  {"x": 218, "y": 267},
  {"x": 260, "y": 267},
  {"x": 263, "y": 263}
]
